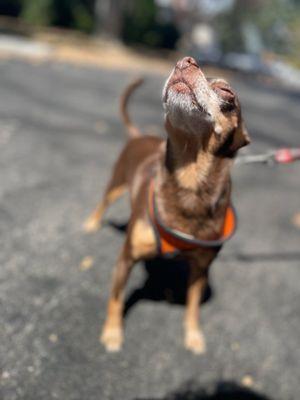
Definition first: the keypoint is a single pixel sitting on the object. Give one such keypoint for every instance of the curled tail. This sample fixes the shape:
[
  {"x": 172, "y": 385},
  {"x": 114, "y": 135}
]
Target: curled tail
[{"x": 133, "y": 130}]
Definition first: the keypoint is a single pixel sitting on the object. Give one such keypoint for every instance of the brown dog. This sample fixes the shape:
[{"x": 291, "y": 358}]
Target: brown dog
[{"x": 179, "y": 189}]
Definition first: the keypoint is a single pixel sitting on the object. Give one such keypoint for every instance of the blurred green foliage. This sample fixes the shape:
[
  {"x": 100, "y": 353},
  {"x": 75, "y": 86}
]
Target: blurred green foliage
[
  {"x": 75, "y": 14},
  {"x": 141, "y": 25},
  {"x": 137, "y": 19},
  {"x": 37, "y": 12}
]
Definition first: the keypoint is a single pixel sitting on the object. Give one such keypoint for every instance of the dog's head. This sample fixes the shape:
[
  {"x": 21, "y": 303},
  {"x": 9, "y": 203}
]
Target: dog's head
[{"x": 208, "y": 108}]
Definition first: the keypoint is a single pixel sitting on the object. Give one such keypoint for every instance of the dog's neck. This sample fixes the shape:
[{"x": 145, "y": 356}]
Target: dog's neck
[{"x": 197, "y": 178}]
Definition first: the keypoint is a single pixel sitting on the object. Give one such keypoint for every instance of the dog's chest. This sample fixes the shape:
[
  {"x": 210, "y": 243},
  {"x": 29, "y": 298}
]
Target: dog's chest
[{"x": 143, "y": 242}]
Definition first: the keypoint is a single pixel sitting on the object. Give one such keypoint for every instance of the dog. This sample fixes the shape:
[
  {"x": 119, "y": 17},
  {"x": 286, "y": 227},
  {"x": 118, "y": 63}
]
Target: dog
[{"x": 179, "y": 189}]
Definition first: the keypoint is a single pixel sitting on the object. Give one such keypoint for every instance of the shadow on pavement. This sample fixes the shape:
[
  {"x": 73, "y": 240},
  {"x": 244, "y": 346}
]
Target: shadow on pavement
[
  {"x": 118, "y": 226},
  {"x": 223, "y": 391},
  {"x": 166, "y": 280}
]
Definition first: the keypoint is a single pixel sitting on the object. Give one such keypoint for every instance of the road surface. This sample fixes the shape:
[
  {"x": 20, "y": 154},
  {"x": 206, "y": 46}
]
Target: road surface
[{"x": 59, "y": 135}]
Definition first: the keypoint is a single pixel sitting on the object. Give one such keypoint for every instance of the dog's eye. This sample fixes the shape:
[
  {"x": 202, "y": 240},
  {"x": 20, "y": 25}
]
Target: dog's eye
[{"x": 227, "y": 105}]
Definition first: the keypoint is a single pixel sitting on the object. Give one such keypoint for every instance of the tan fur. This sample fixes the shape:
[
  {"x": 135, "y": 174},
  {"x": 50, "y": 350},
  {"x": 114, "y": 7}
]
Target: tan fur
[
  {"x": 143, "y": 242},
  {"x": 112, "y": 334},
  {"x": 194, "y": 339},
  {"x": 93, "y": 222},
  {"x": 190, "y": 176}
]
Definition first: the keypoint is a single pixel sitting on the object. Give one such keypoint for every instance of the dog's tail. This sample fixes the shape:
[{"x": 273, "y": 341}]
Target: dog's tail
[{"x": 133, "y": 130}]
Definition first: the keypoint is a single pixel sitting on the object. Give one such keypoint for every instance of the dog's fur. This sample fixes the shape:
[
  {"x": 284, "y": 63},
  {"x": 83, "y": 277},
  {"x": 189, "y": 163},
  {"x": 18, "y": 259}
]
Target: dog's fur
[{"x": 192, "y": 185}]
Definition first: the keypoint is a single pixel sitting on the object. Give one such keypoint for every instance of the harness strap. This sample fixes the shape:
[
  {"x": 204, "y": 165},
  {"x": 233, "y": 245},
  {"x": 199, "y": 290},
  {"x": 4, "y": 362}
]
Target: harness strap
[{"x": 171, "y": 241}]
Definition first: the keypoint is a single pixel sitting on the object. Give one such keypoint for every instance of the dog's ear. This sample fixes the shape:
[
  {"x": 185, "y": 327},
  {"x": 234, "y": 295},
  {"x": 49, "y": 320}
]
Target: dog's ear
[
  {"x": 233, "y": 141},
  {"x": 240, "y": 138}
]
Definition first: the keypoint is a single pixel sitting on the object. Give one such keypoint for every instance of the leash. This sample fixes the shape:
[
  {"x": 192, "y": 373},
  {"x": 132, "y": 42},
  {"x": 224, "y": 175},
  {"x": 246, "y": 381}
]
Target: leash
[{"x": 280, "y": 156}]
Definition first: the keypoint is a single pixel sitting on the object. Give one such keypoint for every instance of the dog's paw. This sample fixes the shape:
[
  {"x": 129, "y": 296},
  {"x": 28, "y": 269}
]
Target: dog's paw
[
  {"x": 112, "y": 339},
  {"x": 91, "y": 224},
  {"x": 195, "y": 341}
]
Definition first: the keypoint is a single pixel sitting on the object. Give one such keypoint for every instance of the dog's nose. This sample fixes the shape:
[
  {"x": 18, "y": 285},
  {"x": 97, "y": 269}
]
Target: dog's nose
[{"x": 186, "y": 62}]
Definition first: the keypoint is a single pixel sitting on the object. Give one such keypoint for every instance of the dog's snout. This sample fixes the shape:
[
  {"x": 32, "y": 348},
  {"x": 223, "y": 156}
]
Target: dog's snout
[{"x": 186, "y": 62}]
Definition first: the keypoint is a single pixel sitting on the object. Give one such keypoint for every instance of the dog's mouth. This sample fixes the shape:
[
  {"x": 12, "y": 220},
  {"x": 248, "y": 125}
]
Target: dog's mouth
[
  {"x": 188, "y": 82},
  {"x": 182, "y": 86},
  {"x": 184, "y": 76},
  {"x": 189, "y": 101}
]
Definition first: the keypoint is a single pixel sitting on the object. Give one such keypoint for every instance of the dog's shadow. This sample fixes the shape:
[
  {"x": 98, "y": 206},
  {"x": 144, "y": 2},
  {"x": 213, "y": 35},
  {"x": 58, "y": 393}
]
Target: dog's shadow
[
  {"x": 166, "y": 280},
  {"x": 222, "y": 391}
]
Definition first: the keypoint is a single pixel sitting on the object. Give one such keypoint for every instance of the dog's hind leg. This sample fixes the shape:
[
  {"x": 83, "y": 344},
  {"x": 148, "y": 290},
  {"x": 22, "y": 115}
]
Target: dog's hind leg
[
  {"x": 115, "y": 188},
  {"x": 93, "y": 222}
]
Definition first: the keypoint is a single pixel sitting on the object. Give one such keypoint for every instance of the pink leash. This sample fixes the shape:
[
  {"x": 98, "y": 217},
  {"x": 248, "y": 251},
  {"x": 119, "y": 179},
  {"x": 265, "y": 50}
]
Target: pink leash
[{"x": 281, "y": 156}]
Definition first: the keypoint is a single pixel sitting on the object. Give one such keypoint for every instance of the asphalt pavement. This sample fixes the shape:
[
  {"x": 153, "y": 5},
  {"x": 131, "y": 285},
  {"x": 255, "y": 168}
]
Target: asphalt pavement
[{"x": 60, "y": 132}]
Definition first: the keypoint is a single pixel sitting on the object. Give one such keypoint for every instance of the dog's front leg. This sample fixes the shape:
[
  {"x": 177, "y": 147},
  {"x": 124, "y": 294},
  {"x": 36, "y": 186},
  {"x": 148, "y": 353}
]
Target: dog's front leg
[
  {"x": 112, "y": 333},
  {"x": 194, "y": 338}
]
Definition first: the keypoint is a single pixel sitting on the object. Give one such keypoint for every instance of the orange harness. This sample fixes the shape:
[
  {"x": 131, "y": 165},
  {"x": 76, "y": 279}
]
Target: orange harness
[{"x": 170, "y": 242}]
